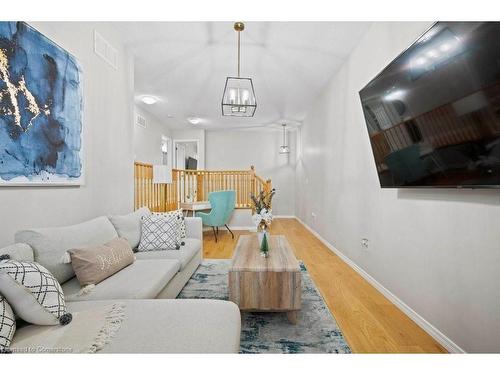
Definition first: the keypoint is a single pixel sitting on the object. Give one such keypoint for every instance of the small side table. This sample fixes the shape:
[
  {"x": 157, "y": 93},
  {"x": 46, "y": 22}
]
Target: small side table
[{"x": 195, "y": 206}]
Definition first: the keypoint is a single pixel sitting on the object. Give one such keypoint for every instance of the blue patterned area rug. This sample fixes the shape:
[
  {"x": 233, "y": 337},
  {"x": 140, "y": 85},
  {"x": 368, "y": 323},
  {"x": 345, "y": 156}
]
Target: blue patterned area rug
[{"x": 315, "y": 332}]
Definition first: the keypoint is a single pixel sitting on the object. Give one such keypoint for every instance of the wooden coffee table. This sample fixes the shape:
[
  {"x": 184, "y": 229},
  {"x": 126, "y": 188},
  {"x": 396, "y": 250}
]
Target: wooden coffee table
[{"x": 265, "y": 284}]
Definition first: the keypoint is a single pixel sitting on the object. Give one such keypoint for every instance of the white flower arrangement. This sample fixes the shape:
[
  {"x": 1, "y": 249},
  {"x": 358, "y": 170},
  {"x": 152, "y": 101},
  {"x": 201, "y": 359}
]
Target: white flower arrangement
[{"x": 264, "y": 215}]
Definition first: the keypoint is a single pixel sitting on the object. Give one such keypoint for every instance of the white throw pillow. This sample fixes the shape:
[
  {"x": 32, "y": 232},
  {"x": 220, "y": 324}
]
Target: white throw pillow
[
  {"x": 177, "y": 214},
  {"x": 34, "y": 294},
  {"x": 7, "y": 325},
  {"x": 160, "y": 233}
]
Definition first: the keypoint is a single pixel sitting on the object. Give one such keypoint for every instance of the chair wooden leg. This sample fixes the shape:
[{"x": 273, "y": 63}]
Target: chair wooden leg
[
  {"x": 232, "y": 234},
  {"x": 215, "y": 234}
]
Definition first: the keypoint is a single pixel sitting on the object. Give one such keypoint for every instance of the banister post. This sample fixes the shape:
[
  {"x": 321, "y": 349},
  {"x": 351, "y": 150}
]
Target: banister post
[
  {"x": 253, "y": 186},
  {"x": 199, "y": 187},
  {"x": 175, "y": 192},
  {"x": 268, "y": 185}
]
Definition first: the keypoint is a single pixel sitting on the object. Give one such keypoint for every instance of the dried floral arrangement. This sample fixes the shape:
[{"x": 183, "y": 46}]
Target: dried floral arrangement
[
  {"x": 262, "y": 204},
  {"x": 263, "y": 200}
]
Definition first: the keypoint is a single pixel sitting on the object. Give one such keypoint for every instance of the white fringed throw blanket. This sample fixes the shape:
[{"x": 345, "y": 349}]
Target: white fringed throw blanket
[{"x": 88, "y": 332}]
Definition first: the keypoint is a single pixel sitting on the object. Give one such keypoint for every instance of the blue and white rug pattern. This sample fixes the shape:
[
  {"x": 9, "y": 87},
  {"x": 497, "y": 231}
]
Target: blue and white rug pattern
[{"x": 316, "y": 330}]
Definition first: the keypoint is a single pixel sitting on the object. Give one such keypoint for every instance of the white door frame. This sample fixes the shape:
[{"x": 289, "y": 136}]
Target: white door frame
[{"x": 175, "y": 141}]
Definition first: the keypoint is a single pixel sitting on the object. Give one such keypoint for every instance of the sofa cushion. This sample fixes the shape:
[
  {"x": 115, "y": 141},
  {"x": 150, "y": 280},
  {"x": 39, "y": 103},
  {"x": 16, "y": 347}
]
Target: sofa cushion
[
  {"x": 183, "y": 255},
  {"x": 143, "y": 279},
  {"x": 129, "y": 226},
  {"x": 49, "y": 244},
  {"x": 194, "y": 227},
  {"x": 18, "y": 251},
  {"x": 173, "y": 326}
]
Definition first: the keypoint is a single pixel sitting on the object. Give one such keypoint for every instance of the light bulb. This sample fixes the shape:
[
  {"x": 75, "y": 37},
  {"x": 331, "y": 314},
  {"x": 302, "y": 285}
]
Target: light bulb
[
  {"x": 232, "y": 95},
  {"x": 245, "y": 96}
]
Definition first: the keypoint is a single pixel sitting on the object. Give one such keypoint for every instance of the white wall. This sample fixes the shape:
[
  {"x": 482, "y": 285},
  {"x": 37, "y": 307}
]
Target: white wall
[
  {"x": 107, "y": 131},
  {"x": 147, "y": 141},
  {"x": 437, "y": 250},
  {"x": 239, "y": 149}
]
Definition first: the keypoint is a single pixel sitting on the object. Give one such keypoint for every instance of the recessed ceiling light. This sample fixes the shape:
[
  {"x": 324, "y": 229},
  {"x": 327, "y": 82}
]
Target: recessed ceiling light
[
  {"x": 421, "y": 61},
  {"x": 445, "y": 47},
  {"x": 148, "y": 99},
  {"x": 194, "y": 120},
  {"x": 395, "y": 94},
  {"x": 432, "y": 53}
]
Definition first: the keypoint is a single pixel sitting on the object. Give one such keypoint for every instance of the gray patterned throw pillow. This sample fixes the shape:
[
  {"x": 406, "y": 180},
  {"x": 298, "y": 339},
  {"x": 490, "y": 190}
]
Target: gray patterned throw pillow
[
  {"x": 7, "y": 325},
  {"x": 177, "y": 214},
  {"x": 160, "y": 232},
  {"x": 34, "y": 294}
]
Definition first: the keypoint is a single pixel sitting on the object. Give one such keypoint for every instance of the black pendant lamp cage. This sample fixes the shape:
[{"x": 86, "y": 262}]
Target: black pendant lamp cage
[{"x": 239, "y": 95}]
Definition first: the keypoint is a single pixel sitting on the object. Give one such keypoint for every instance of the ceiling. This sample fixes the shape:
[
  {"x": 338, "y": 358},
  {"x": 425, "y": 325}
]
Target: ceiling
[{"x": 185, "y": 64}]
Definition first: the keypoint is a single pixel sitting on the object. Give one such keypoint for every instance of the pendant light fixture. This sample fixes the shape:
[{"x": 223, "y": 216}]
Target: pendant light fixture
[
  {"x": 239, "y": 96},
  {"x": 284, "y": 149}
]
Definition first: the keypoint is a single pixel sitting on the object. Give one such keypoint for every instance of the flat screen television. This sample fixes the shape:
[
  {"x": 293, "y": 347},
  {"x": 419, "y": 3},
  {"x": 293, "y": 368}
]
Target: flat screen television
[
  {"x": 433, "y": 114},
  {"x": 191, "y": 163}
]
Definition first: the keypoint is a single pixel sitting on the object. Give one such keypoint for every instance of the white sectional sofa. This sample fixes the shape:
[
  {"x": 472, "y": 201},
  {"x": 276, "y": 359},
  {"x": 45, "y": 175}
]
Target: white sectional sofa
[{"x": 155, "y": 321}]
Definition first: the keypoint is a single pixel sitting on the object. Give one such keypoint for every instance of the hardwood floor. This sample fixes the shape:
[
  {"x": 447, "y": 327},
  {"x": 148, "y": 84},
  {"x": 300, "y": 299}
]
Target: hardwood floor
[{"x": 368, "y": 320}]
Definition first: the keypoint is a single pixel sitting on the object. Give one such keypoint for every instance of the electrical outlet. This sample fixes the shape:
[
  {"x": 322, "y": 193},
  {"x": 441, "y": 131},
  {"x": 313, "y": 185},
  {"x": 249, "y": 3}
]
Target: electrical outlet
[
  {"x": 364, "y": 243},
  {"x": 313, "y": 215}
]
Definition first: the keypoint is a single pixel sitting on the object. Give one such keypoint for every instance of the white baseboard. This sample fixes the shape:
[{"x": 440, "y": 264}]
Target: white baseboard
[
  {"x": 284, "y": 216},
  {"x": 439, "y": 336},
  {"x": 232, "y": 228}
]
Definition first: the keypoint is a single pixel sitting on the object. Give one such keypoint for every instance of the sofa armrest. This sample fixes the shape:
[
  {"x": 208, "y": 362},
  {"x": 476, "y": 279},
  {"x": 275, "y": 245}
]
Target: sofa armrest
[{"x": 194, "y": 228}]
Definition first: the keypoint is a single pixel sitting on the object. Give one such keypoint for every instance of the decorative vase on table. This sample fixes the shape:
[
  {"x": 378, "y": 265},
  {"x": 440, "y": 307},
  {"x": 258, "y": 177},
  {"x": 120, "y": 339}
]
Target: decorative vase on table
[
  {"x": 262, "y": 219},
  {"x": 262, "y": 236}
]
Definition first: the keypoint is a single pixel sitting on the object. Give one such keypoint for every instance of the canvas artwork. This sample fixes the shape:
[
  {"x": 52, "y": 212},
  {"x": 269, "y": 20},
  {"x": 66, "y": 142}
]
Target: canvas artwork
[{"x": 41, "y": 108}]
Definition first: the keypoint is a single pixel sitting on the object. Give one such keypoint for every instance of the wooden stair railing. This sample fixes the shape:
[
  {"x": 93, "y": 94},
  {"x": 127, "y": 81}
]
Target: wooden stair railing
[{"x": 194, "y": 185}]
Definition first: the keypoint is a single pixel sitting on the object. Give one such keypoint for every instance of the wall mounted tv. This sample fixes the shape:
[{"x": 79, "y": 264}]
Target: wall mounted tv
[
  {"x": 433, "y": 114},
  {"x": 191, "y": 163}
]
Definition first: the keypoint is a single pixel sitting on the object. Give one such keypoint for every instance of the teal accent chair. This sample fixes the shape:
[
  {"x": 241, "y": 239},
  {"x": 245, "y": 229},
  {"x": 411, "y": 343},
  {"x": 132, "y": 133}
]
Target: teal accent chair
[
  {"x": 222, "y": 203},
  {"x": 407, "y": 166}
]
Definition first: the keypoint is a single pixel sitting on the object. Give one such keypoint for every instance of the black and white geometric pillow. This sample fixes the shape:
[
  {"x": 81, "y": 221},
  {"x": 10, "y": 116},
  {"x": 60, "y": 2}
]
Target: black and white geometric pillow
[
  {"x": 177, "y": 214},
  {"x": 159, "y": 232},
  {"x": 34, "y": 294},
  {"x": 7, "y": 325}
]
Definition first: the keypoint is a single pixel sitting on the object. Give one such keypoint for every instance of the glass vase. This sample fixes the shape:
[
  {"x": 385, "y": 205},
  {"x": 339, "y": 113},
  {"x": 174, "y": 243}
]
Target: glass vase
[{"x": 263, "y": 239}]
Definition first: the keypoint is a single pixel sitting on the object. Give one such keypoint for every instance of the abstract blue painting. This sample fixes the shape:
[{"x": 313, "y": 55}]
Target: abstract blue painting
[{"x": 41, "y": 108}]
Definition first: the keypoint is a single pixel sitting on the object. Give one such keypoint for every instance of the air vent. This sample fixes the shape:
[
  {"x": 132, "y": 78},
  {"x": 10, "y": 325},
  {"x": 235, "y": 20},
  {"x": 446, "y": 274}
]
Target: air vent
[
  {"x": 105, "y": 51},
  {"x": 140, "y": 121}
]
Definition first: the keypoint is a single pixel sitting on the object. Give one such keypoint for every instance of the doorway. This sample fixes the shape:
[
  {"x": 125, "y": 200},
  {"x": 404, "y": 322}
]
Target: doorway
[{"x": 186, "y": 155}]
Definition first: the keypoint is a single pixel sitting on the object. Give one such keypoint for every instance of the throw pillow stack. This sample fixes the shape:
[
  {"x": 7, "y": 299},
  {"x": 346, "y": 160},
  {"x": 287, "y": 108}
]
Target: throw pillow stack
[
  {"x": 162, "y": 231},
  {"x": 29, "y": 290},
  {"x": 7, "y": 325}
]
